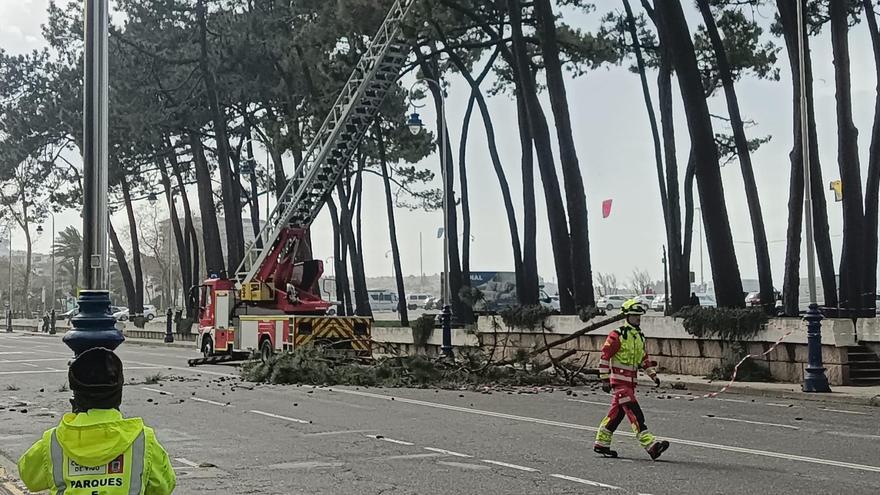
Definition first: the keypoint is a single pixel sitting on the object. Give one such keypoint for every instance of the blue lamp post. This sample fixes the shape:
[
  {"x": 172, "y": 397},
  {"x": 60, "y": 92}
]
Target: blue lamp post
[
  {"x": 415, "y": 125},
  {"x": 94, "y": 326}
]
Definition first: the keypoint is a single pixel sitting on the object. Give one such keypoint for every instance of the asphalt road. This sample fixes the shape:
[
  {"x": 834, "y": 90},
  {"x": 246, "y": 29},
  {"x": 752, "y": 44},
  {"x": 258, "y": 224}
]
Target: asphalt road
[{"x": 271, "y": 439}]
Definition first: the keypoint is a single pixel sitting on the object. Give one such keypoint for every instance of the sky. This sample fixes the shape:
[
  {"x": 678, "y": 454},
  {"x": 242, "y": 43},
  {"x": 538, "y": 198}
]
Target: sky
[{"x": 615, "y": 149}]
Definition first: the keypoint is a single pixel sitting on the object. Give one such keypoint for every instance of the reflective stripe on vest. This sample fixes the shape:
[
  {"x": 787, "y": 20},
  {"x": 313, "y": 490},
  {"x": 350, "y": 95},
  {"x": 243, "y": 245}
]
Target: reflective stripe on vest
[{"x": 135, "y": 476}]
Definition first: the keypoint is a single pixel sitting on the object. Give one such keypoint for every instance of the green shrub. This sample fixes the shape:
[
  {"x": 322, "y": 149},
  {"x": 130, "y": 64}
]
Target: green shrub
[
  {"x": 530, "y": 317},
  {"x": 726, "y": 324}
]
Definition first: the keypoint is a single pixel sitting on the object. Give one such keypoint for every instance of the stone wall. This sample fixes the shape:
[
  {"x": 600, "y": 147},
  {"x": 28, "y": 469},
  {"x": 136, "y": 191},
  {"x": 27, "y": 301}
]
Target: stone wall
[{"x": 678, "y": 352}]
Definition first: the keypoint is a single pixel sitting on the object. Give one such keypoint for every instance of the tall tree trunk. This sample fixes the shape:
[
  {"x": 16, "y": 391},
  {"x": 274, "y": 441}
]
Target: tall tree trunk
[
  {"x": 214, "y": 264},
  {"x": 121, "y": 261},
  {"x": 183, "y": 255},
  {"x": 191, "y": 240},
  {"x": 852, "y": 262},
  {"x": 461, "y": 311},
  {"x": 725, "y": 270},
  {"x": 340, "y": 267},
  {"x": 361, "y": 297},
  {"x": 255, "y": 193},
  {"x": 478, "y": 97},
  {"x": 465, "y": 198},
  {"x": 392, "y": 226},
  {"x": 759, "y": 234},
  {"x": 576, "y": 198},
  {"x": 559, "y": 237},
  {"x": 872, "y": 186},
  {"x": 230, "y": 187},
  {"x": 679, "y": 264},
  {"x": 824, "y": 255},
  {"x": 136, "y": 306},
  {"x": 529, "y": 291}
]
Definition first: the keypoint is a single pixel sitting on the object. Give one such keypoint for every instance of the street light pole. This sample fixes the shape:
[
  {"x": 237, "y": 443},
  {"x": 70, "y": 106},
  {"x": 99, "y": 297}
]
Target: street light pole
[
  {"x": 93, "y": 326},
  {"x": 415, "y": 125},
  {"x": 702, "y": 279},
  {"x": 9, "y": 298},
  {"x": 814, "y": 376}
]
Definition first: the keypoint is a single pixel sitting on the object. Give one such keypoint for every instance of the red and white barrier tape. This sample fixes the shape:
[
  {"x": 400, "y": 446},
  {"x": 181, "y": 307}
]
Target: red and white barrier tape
[{"x": 712, "y": 395}]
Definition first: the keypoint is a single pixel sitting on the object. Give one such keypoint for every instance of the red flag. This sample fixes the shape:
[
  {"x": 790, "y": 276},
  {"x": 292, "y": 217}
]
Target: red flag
[{"x": 606, "y": 208}]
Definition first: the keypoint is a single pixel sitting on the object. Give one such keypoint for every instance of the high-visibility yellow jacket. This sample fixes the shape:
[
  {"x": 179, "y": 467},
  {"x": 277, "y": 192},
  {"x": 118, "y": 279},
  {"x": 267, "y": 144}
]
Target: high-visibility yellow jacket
[{"x": 98, "y": 452}]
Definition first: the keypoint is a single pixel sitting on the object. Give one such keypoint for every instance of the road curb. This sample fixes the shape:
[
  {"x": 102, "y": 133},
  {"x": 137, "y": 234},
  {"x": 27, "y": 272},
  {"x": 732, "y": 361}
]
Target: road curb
[{"x": 835, "y": 398}]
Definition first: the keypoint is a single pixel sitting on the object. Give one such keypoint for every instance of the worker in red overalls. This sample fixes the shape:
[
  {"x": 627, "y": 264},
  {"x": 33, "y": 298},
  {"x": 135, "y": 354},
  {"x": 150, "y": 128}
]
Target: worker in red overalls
[{"x": 623, "y": 354}]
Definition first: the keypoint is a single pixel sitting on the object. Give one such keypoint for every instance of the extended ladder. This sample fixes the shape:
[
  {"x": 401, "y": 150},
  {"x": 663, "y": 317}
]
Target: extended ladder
[{"x": 336, "y": 141}]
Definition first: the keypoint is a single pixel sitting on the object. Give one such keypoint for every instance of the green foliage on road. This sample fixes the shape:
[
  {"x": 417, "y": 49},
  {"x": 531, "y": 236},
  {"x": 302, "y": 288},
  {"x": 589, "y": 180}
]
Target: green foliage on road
[{"x": 309, "y": 366}]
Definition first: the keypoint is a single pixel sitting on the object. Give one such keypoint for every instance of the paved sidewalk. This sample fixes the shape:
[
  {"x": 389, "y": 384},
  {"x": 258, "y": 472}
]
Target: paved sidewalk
[{"x": 869, "y": 396}]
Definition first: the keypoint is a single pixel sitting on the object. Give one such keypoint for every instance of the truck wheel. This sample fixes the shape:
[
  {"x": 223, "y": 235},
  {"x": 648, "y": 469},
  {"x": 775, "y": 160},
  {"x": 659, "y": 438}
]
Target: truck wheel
[
  {"x": 266, "y": 350},
  {"x": 150, "y": 317},
  {"x": 207, "y": 346}
]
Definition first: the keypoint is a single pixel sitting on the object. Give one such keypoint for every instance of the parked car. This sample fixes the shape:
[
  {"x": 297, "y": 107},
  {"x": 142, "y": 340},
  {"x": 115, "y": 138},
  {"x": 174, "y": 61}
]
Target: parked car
[
  {"x": 659, "y": 303},
  {"x": 646, "y": 299},
  {"x": 754, "y": 298},
  {"x": 611, "y": 302},
  {"x": 548, "y": 301},
  {"x": 416, "y": 301},
  {"x": 149, "y": 313},
  {"x": 67, "y": 315}
]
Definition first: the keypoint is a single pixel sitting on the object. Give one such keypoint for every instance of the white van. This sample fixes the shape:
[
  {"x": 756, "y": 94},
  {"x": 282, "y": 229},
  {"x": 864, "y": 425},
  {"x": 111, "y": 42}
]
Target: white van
[
  {"x": 416, "y": 301},
  {"x": 383, "y": 301}
]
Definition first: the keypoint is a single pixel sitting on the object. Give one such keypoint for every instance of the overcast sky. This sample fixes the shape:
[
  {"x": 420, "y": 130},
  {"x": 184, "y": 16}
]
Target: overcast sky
[{"x": 616, "y": 156}]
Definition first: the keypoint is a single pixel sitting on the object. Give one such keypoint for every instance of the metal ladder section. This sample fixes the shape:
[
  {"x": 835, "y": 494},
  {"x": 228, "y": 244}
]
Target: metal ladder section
[{"x": 336, "y": 141}]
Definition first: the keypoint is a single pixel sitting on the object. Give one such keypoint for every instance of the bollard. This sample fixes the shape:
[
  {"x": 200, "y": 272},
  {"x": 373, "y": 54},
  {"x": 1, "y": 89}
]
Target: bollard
[
  {"x": 169, "y": 336},
  {"x": 53, "y": 315},
  {"x": 446, "y": 321},
  {"x": 814, "y": 378}
]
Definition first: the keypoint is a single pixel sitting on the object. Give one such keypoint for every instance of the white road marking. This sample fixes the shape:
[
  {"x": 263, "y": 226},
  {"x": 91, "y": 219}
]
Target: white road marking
[
  {"x": 778, "y": 405},
  {"x": 692, "y": 443},
  {"x": 734, "y": 400},
  {"x": 32, "y": 365},
  {"x": 186, "y": 461},
  {"x": 65, "y": 371},
  {"x": 331, "y": 433},
  {"x": 3, "y": 353},
  {"x": 447, "y": 452},
  {"x": 191, "y": 370},
  {"x": 408, "y": 457},
  {"x": 206, "y": 401},
  {"x": 512, "y": 466},
  {"x": 8, "y": 361},
  {"x": 853, "y": 435},
  {"x": 285, "y": 418},
  {"x": 844, "y": 412},
  {"x": 156, "y": 391},
  {"x": 584, "y": 482},
  {"x": 390, "y": 440},
  {"x": 607, "y": 404},
  {"x": 754, "y": 422}
]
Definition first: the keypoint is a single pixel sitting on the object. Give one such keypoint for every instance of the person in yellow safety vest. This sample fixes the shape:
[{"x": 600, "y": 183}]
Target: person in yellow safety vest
[
  {"x": 94, "y": 450},
  {"x": 623, "y": 354}
]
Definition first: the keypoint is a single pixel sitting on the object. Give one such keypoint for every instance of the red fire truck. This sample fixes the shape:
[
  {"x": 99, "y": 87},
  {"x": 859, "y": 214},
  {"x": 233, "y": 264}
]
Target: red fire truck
[{"x": 270, "y": 304}]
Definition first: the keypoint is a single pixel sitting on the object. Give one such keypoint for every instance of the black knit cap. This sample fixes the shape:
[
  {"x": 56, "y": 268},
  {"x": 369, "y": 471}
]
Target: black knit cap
[{"x": 96, "y": 380}]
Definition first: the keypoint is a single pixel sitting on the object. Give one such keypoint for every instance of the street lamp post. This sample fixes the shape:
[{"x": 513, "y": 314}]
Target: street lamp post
[
  {"x": 416, "y": 125},
  {"x": 814, "y": 376},
  {"x": 9, "y": 297},
  {"x": 52, "y": 308},
  {"x": 702, "y": 279},
  {"x": 94, "y": 326}
]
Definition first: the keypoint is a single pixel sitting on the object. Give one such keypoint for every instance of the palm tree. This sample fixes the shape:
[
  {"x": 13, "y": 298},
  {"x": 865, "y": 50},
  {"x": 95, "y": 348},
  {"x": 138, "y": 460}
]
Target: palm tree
[{"x": 68, "y": 249}]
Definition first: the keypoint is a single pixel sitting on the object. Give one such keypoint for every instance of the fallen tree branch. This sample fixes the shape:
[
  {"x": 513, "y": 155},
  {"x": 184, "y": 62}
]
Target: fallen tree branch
[
  {"x": 583, "y": 331},
  {"x": 553, "y": 361}
]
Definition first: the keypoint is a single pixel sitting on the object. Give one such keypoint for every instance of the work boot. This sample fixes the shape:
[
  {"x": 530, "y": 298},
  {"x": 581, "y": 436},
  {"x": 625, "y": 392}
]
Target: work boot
[
  {"x": 657, "y": 449},
  {"x": 605, "y": 451}
]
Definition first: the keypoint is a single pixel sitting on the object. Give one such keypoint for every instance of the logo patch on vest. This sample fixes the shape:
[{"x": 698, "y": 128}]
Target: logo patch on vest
[
  {"x": 74, "y": 469},
  {"x": 116, "y": 465}
]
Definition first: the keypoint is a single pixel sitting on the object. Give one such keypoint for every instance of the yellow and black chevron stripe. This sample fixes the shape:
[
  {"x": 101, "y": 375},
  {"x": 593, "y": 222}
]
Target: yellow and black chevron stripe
[{"x": 349, "y": 332}]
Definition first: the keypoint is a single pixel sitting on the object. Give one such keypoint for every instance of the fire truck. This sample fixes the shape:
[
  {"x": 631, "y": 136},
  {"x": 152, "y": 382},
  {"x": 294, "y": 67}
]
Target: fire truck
[{"x": 271, "y": 303}]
